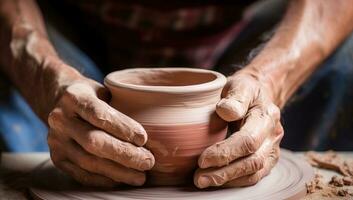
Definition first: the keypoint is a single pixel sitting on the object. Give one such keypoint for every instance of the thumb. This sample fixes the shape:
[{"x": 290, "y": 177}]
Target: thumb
[{"x": 238, "y": 95}]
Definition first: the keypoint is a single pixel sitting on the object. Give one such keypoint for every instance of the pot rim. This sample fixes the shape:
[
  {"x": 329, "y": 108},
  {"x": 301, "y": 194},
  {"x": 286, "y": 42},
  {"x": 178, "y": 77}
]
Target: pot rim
[{"x": 219, "y": 81}]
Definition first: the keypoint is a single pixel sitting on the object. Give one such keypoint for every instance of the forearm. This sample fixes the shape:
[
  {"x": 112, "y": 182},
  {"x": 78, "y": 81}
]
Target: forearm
[
  {"x": 309, "y": 32},
  {"x": 28, "y": 58}
]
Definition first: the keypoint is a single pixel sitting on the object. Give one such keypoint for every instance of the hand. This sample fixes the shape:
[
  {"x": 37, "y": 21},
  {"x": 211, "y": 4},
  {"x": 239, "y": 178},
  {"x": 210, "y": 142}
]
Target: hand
[
  {"x": 249, "y": 154},
  {"x": 94, "y": 143}
]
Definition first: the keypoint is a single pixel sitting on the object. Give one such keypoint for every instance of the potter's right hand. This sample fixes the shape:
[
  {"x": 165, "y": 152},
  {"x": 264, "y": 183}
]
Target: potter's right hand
[{"x": 94, "y": 143}]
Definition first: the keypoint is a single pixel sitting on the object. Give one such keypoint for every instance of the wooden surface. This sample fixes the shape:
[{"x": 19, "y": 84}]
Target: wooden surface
[{"x": 15, "y": 170}]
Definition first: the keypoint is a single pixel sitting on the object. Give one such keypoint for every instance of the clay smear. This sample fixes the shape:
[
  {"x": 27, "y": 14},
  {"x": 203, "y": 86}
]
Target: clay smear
[{"x": 338, "y": 187}]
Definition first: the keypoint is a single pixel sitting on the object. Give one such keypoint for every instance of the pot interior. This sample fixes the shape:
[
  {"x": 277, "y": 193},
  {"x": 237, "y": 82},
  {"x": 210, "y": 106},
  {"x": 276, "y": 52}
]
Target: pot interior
[{"x": 156, "y": 77}]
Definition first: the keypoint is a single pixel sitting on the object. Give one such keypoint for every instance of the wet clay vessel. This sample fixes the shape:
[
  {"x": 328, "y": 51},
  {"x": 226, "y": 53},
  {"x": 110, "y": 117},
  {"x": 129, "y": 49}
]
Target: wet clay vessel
[{"x": 176, "y": 106}]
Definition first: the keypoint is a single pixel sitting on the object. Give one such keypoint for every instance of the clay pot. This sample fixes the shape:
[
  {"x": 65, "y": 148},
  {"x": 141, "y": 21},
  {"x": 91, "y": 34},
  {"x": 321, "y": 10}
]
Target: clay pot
[{"x": 176, "y": 106}]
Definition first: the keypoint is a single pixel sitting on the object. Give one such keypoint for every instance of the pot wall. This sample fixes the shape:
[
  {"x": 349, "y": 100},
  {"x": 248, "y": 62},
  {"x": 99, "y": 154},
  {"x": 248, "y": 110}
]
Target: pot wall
[{"x": 179, "y": 127}]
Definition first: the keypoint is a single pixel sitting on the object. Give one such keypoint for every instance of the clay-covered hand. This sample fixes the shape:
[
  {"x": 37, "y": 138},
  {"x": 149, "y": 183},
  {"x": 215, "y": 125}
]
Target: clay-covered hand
[
  {"x": 250, "y": 153},
  {"x": 94, "y": 143}
]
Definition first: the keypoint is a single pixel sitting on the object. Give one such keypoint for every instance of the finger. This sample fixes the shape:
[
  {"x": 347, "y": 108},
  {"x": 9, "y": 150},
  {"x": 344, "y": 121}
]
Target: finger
[
  {"x": 55, "y": 124},
  {"x": 58, "y": 157},
  {"x": 103, "y": 166},
  {"x": 247, "y": 180},
  {"x": 278, "y": 134},
  {"x": 238, "y": 98},
  {"x": 279, "y": 128},
  {"x": 97, "y": 112},
  {"x": 248, "y": 165},
  {"x": 103, "y": 145},
  {"x": 101, "y": 115},
  {"x": 258, "y": 124},
  {"x": 84, "y": 177},
  {"x": 215, "y": 177},
  {"x": 252, "y": 179}
]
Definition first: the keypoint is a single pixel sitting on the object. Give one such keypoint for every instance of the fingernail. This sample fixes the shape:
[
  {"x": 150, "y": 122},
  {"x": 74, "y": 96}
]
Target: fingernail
[
  {"x": 203, "y": 182},
  {"x": 147, "y": 163},
  {"x": 229, "y": 110},
  {"x": 140, "y": 139}
]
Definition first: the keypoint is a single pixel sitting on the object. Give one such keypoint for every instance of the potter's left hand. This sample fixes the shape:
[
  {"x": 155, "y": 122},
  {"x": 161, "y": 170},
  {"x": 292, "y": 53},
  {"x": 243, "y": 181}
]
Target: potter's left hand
[{"x": 249, "y": 154}]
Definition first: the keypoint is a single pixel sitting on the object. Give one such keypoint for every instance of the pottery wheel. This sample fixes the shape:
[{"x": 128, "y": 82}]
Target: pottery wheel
[{"x": 286, "y": 181}]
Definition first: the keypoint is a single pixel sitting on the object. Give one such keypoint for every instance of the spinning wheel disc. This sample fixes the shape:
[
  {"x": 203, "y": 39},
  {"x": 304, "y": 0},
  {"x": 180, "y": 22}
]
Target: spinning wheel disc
[{"x": 286, "y": 181}]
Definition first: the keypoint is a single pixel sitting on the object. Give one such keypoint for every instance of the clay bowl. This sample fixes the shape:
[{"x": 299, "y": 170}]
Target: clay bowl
[{"x": 176, "y": 106}]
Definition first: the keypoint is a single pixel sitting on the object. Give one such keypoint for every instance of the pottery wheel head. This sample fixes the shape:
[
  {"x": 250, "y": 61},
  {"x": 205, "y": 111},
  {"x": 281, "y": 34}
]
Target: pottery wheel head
[{"x": 286, "y": 181}]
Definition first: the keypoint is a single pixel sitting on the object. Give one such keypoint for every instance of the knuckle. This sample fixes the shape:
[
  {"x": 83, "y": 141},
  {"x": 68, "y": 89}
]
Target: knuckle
[
  {"x": 276, "y": 158},
  {"x": 269, "y": 115},
  {"x": 54, "y": 117},
  {"x": 259, "y": 112},
  {"x": 93, "y": 142},
  {"x": 280, "y": 133},
  {"x": 274, "y": 112},
  {"x": 257, "y": 163},
  {"x": 250, "y": 143}
]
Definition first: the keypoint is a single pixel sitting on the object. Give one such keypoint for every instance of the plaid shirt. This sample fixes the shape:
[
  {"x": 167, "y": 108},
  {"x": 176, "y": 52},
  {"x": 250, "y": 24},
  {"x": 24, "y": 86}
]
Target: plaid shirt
[{"x": 156, "y": 33}]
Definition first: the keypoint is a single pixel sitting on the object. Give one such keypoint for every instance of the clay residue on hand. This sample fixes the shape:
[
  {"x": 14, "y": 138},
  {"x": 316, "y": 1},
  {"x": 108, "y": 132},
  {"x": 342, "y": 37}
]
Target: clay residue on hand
[{"x": 339, "y": 187}]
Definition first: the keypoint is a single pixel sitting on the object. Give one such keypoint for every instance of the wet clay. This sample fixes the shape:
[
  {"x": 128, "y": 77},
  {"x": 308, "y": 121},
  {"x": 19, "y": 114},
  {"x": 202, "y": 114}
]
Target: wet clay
[
  {"x": 335, "y": 189},
  {"x": 339, "y": 187},
  {"x": 330, "y": 160},
  {"x": 176, "y": 107}
]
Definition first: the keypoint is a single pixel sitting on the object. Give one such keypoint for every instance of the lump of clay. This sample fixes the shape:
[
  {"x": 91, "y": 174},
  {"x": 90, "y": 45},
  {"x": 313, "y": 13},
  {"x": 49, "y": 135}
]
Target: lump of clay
[{"x": 339, "y": 187}]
